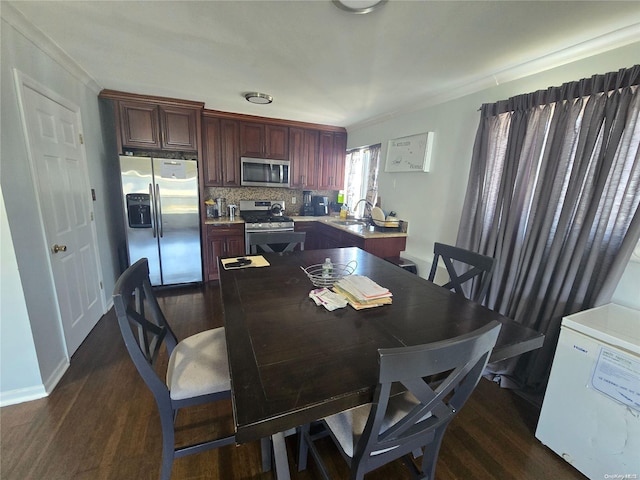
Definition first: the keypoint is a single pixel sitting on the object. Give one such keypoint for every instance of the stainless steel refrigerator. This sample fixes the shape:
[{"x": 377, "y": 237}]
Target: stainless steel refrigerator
[{"x": 162, "y": 219}]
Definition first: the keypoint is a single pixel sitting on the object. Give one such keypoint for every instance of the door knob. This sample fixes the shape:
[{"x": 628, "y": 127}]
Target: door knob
[{"x": 59, "y": 248}]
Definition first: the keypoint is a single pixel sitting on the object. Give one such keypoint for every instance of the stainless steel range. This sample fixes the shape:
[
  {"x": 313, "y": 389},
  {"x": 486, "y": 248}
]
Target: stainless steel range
[{"x": 264, "y": 216}]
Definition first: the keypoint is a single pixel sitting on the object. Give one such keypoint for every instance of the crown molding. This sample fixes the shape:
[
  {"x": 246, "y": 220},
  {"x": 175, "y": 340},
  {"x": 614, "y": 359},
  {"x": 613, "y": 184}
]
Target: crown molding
[
  {"x": 14, "y": 18},
  {"x": 601, "y": 44}
]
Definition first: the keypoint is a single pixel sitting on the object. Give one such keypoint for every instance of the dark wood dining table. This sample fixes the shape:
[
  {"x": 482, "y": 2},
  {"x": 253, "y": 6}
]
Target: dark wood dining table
[{"x": 293, "y": 362}]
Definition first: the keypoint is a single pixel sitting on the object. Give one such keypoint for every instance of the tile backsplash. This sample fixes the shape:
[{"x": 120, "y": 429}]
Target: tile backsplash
[{"x": 233, "y": 195}]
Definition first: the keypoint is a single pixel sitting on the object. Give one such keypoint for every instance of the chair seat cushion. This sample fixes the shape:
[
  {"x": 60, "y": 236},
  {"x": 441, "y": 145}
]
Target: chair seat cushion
[
  {"x": 347, "y": 426},
  {"x": 199, "y": 365}
]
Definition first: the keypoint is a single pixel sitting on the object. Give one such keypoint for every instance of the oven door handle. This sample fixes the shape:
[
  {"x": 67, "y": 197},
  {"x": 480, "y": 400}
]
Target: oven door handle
[{"x": 269, "y": 230}]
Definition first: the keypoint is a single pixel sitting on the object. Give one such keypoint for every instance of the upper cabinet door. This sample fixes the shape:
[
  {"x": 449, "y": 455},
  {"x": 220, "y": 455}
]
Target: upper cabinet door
[
  {"x": 340, "y": 155},
  {"x": 303, "y": 155},
  {"x": 211, "y": 158},
  {"x": 252, "y": 140},
  {"x": 229, "y": 142},
  {"x": 139, "y": 125},
  {"x": 178, "y": 128},
  {"x": 332, "y": 157},
  {"x": 157, "y": 127},
  {"x": 277, "y": 142},
  {"x": 220, "y": 155},
  {"x": 259, "y": 140}
]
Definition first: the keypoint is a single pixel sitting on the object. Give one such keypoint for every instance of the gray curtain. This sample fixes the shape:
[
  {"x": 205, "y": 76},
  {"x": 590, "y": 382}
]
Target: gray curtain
[{"x": 553, "y": 195}]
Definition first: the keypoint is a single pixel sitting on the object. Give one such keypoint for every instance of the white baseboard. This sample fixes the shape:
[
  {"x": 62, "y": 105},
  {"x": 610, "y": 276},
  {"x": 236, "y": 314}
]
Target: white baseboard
[
  {"x": 20, "y": 395},
  {"x": 35, "y": 392},
  {"x": 56, "y": 375},
  {"x": 109, "y": 304}
]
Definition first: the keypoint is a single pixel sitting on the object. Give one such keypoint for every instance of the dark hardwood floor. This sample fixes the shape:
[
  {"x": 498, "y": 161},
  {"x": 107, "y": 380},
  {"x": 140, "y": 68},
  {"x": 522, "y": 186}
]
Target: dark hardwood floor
[{"x": 101, "y": 422}]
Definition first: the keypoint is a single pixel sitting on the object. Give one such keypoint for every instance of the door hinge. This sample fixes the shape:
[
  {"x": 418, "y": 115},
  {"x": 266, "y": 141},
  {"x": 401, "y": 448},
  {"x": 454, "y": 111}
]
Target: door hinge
[
  {"x": 92, "y": 216},
  {"x": 100, "y": 284},
  {"x": 81, "y": 139}
]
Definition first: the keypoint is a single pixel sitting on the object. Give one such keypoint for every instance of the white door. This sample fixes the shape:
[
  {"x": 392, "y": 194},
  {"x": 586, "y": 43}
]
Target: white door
[{"x": 60, "y": 173}]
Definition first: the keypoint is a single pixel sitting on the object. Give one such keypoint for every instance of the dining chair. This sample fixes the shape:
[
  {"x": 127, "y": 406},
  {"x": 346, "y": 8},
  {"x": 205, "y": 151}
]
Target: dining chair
[
  {"x": 472, "y": 266},
  {"x": 265, "y": 240},
  {"x": 197, "y": 370},
  {"x": 412, "y": 422}
]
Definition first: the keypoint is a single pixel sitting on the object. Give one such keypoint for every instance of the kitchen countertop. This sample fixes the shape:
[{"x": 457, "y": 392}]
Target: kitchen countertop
[
  {"x": 223, "y": 221},
  {"x": 359, "y": 230},
  {"x": 363, "y": 231}
]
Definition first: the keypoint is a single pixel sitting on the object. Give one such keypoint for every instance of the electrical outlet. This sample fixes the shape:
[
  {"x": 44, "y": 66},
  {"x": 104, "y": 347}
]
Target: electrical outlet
[{"x": 293, "y": 200}]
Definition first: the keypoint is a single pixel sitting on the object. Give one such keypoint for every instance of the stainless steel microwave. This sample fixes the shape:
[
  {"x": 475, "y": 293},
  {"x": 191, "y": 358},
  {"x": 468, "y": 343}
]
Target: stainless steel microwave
[{"x": 260, "y": 172}]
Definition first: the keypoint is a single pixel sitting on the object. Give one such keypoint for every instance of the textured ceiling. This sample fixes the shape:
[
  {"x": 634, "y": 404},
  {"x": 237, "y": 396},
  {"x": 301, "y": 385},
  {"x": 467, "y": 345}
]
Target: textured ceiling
[{"x": 322, "y": 64}]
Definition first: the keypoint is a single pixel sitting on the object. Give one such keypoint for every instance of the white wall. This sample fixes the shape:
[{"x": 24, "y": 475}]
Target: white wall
[
  {"x": 17, "y": 342},
  {"x": 432, "y": 202},
  {"x": 22, "y": 49},
  {"x": 628, "y": 291}
]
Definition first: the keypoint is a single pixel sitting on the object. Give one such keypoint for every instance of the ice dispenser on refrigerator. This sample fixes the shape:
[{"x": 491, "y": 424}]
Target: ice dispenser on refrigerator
[{"x": 139, "y": 210}]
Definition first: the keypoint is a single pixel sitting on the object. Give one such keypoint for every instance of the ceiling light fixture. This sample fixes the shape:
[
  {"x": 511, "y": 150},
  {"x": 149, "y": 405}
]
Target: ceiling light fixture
[
  {"x": 359, "y": 6},
  {"x": 259, "y": 98}
]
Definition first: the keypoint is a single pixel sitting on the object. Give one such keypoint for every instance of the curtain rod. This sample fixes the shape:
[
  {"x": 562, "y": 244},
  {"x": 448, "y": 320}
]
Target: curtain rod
[{"x": 599, "y": 83}]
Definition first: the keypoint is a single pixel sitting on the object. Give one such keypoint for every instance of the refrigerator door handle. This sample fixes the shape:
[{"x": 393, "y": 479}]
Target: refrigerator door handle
[
  {"x": 159, "y": 210},
  {"x": 153, "y": 210}
]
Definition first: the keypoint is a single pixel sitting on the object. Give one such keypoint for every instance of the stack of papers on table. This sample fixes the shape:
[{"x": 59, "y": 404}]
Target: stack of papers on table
[
  {"x": 327, "y": 298},
  {"x": 362, "y": 292}
]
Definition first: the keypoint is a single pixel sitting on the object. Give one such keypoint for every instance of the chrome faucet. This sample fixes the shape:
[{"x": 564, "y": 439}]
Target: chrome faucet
[{"x": 367, "y": 204}]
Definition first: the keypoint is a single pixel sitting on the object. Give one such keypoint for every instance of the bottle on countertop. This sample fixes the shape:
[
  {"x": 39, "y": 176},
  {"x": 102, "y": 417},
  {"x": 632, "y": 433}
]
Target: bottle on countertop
[
  {"x": 232, "y": 211},
  {"x": 210, "y": 207},
  {"x": 344, "y": 210},
  {"x": 327, "y": 268}
]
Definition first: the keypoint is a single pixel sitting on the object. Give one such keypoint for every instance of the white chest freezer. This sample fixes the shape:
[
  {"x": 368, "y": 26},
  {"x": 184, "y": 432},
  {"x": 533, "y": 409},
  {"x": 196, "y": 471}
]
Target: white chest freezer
[{"x": 591, "y": 410}]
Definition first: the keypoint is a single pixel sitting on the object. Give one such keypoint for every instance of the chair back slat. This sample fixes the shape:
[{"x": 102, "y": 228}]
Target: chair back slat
[
  {"x": 265, "y": 240},
  {"x": 150, "y": 335},
  {"x": 471, "y": 267}
]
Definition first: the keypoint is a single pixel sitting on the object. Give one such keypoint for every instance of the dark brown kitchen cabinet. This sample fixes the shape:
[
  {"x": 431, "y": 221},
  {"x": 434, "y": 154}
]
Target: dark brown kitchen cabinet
[
  {"x": 331, "y": 158},
  {"x": 311, "y": 239},
  {"x": 220, "y": 152},
  {"x": 260, "y": 140},
  {"x": 152, "y": 126},
  {"x": 329, "y": 237},
  {"x": 178, "y": 128},
  {"x": 222, "y": 241},
  {"x": 139, "y": 125},
  {"x": 303, "y": 156},
  {"x": 326, "y": 236}
]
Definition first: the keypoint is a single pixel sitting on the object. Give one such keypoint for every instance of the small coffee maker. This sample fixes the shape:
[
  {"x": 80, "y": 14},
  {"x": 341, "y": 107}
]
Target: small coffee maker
[
  {"x": 307, "y": 207},
  {"x": 320, "y": 205}
]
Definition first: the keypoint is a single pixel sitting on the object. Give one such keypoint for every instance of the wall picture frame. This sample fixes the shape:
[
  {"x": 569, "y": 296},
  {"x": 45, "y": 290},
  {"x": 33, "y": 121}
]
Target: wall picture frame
[{"x": 410, "y": 154}]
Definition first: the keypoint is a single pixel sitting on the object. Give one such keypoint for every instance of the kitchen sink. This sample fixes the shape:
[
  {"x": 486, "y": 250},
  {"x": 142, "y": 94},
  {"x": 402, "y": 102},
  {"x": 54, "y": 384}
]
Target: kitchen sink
[{"x": 350, "y": 222}]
